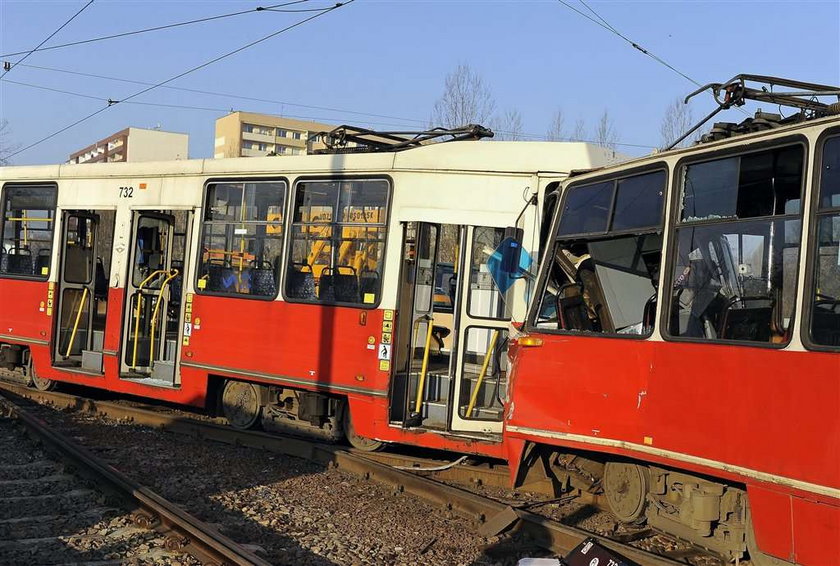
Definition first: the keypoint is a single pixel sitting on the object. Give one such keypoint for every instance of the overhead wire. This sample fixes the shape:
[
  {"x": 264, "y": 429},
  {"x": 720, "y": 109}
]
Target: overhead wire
[
  {"x": 28, "y": 53},
  {"x": 600, "y": 21},
  {"x": 401, "y": 119},
  {"x": 159, "y": 28},
  {"x": 300, "y": 117},
  {"x": 228, "y": 95},
  {"x": 169, "y": 105},
  {"x": 111, "y": 102}
]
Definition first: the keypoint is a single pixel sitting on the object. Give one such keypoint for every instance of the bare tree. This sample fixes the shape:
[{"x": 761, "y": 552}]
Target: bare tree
[
  {"x": 605, "y": 134},
  {"x": 509, "y": 126},
  {"x": 6, "y": 149},
  {"x": 466, "y": 99},
  {"x": 555, "y": 129},
  {"x": 676, "y": 121},
  {"x": 579, "y": 132}
]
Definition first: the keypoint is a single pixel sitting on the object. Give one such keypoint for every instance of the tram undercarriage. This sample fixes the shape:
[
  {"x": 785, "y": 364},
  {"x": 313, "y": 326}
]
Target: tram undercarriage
[{"x": 704, "y": 511}]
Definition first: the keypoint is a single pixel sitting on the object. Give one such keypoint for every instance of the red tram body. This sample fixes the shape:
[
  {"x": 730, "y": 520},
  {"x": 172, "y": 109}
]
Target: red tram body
[{"x": 683, "y": 353}]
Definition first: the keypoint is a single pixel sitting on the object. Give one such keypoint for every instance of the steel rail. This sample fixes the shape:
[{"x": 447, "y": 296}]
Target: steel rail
[
  {"x": 183, "y": 532},
  {"x": 494, "y": 516}
]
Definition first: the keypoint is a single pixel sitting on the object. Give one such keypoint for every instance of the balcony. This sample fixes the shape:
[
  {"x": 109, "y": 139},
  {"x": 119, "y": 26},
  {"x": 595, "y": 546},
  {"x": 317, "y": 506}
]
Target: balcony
[{"x": 251, "y": 136}]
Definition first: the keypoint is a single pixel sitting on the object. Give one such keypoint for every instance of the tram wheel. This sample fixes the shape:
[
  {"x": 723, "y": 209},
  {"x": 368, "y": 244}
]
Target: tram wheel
[
  {"x": 34, "y": 380},
  {"x": 625, "y": 487},
  {"x": 241, "y": 404},
  {"x": 355, "y": 440}
]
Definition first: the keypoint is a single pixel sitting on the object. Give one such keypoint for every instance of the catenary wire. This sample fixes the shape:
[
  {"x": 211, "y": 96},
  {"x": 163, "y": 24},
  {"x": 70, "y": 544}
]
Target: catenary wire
[
  {"x": 176, "y": 106},
  {"x": 402, "y": 119},
  {"x": 604, "y": 24},
  {"x": 297, "y": 116},
  {"x": 182, "y": 74},
  {"x": 73, "y": 17},
  {"x": 159, "y": 28},
  {"x": 228, "y": 95},
  {"x": 609, "y": 27}
]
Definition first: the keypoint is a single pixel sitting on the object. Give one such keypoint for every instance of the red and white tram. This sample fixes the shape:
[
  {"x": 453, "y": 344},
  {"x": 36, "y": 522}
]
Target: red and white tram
[
  {"x": 326, "y": 294},
  {"x": 682, "y": 355}
]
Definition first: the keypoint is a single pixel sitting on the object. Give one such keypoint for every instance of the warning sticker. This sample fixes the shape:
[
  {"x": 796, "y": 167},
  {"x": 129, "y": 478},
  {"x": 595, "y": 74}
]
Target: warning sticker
[
  {"x": 387, "y": 326},
  {"x": 384, "y": 365},
  {"x": 384, "y": 351},
  {"x": 386, "y": 337},
  {"x": 388, "y": 315}
]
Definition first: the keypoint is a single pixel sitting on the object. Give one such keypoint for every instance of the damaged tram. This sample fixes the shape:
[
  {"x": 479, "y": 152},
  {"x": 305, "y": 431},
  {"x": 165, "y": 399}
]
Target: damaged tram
[{"x": 682, "y": 354}]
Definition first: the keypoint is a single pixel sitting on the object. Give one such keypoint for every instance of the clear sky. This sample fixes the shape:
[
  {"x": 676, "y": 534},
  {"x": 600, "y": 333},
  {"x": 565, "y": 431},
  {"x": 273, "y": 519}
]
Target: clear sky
[{"x": 390, "y": 58}]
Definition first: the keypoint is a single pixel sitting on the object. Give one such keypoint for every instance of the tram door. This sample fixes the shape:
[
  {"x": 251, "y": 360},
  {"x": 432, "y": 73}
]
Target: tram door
[
  {"x": 82, "y": 297},
  {"x": 152, "y": 317},
  {"x": 483, "y": 314},
  {"x": 451, "y": 337}
]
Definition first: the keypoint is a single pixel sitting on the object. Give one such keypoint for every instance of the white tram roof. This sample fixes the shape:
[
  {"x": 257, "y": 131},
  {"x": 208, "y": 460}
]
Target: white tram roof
[
  {"x": 495, "y": 157},
  {"x": 809, "y": 127}
]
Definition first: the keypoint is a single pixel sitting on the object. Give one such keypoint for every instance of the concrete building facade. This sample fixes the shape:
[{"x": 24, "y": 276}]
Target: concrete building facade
[
  {"x": 247, "y": 134},
  {"x": 135, "y": 144}
]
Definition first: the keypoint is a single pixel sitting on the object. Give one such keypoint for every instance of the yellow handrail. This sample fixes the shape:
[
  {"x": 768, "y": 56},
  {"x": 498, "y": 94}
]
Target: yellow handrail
[
  {"x": 137, "y": 312},
  {"x": 419, "y": 401},
  {"x": 76, "y": 324},
  {"x": 481, "y": 374},
  {"x": 173, "y": 274}
]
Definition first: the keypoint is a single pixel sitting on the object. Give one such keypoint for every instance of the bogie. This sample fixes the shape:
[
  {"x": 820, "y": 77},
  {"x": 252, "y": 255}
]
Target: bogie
[{"x": 706, "y": 512}]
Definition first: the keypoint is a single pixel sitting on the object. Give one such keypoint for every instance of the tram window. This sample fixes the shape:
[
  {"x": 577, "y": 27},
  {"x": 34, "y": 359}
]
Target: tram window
[
  {"x": 485, "y": 370},
  {"x": 750, "y": 186},
  {"x": 605, "y": 281},
  {"x": 79, "y": 251},
  {"x": 242, "y": 239},
  {"x": 825, "y": 309},
  {"x": 338, "y": 241},
  {"x": 485, "y": 298},
  {"x": 151, "y": 248},
  {"x": 586, "y": 209},
  {"x": 734, "y": 276},
  {"x": 28, "y": 221},
  {"x": 638, "y": 202},
  {"x": 552, "y": 196},
  {"x": 830, "y": 174}
]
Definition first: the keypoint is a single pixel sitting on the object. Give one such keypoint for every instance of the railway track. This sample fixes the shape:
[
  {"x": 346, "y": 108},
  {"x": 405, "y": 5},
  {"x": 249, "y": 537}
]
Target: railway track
[
  {"x": 494, "y": 516},
  {"x": 60, "y": 504}
]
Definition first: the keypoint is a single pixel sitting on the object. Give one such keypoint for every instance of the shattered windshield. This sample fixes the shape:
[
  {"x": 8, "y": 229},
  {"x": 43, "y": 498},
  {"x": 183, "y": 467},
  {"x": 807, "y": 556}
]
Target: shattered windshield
[{"x": 606, "y": 258}]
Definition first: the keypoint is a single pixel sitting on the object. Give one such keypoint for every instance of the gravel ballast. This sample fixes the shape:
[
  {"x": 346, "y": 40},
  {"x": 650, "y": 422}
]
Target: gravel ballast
[{"x": 293, "y": 512}]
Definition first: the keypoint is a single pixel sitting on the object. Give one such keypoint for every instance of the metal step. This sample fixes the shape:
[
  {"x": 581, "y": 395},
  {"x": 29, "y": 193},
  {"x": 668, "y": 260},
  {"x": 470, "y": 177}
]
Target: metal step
[
  {"x": 434, "y": 414},
  {"x": 437, "y": 387},
  {"x": 164, "y": 371},
  {"x": 92, "y": 360}
]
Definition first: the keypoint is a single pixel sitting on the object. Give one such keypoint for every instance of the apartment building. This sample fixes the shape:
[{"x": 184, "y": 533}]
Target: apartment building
[
  {"x": 135, "y": 144},
  {"x": 247, "y": 134}
]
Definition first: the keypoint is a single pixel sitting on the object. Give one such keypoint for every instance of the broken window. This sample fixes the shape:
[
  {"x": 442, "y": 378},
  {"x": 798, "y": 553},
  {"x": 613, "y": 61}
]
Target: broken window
[
  {"x": 738, "y": 243},
  {"x": 606, "y": 258},
  {"x": 825, "y": 308}
]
